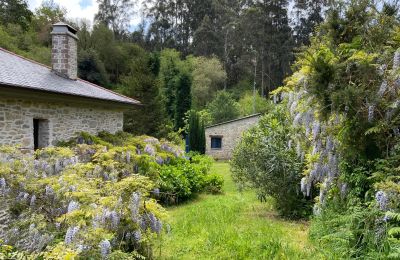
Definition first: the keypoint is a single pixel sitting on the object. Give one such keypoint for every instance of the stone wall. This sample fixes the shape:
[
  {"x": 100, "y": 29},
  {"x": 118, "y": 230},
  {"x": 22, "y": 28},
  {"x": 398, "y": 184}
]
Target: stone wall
[
  {"x": 63, "y": 121},
  {"x": 231, "y": 132},
  {"x": 64, "y": 55}
]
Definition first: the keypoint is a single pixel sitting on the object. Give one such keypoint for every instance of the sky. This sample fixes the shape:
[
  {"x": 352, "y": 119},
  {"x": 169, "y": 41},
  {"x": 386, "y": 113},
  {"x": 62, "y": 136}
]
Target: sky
[{"x": 81, "y": 9}]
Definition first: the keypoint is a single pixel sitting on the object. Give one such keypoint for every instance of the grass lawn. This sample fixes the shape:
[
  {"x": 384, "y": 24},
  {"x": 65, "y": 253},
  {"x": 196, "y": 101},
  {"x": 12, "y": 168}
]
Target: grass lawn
[{"x": 232, "y": 225}]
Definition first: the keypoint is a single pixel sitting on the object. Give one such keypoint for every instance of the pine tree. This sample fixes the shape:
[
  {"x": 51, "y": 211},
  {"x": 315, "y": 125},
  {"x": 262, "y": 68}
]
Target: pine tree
[
  {"x": 197, "y": 139},
  {"x": 183, "y": 99}
]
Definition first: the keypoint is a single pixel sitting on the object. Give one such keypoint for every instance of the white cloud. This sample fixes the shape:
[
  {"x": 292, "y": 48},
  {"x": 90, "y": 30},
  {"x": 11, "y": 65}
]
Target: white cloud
[{"x": 75, "y": 10}]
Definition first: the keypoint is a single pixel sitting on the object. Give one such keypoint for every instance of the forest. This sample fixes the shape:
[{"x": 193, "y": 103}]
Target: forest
[{"x": 215, "y": 57}]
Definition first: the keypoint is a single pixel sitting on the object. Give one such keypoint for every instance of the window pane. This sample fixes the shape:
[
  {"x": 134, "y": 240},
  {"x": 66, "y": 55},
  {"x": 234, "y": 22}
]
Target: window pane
[{"x": 216, "y": 142}]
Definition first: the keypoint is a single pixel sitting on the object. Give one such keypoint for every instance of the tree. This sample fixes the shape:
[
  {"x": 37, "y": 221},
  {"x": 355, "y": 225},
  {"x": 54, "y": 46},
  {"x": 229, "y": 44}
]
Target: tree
[
  {"x": 115, "y": 14},
  {"x": 206, "y": 41},
  {"x": 16, "y": 12},
  {"x": 46, "y": 15},
  {"x": 223, "y": 108},
  {"x": 170, "y": 64},
  {"x": 140, "y": 83},
  {"x": 208, "y": 77},
  {"x": 308, "y": 15},
  {"x": 183, "y": 99},
  {"x": 196, "y": 132},
  {"x": 246, "y": 104},
  {"x": 263, "y": 160},
  {"x": 91, "y": 68}
]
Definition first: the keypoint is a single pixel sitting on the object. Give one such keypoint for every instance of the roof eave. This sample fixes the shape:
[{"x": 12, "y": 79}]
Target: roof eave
[{"x": 79, "y": 98}]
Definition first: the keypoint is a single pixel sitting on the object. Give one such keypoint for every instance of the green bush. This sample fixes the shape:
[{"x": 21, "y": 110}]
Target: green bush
[
  {"x": 265, "y": 160},
  {"x": 182, "y": 178},
  {"x": 88, "y": 195},
  {"x": 79, "y": 201},
  {"x": 213, "y": 183}
]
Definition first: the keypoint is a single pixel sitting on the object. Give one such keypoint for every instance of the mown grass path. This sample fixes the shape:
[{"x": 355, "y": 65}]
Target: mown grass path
[{"x": 232, "y": 225}]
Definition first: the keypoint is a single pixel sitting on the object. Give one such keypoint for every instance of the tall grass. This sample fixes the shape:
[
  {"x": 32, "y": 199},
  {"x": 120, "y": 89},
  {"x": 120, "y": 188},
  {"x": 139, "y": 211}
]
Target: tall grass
[{"x": 232, "y": 225}]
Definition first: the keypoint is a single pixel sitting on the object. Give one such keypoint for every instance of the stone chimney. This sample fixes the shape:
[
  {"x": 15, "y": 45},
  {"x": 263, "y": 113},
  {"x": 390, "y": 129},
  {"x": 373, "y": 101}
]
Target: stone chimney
[{"x": 64, "y": 50}]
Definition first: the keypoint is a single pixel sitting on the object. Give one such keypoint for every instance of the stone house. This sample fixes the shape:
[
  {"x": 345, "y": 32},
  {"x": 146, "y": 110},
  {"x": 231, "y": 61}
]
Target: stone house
[
  {"x": 40, "y": 106},
  {"x": 222, "y": 138}
]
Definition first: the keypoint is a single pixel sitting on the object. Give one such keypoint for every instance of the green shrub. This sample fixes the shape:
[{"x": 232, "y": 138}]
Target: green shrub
[
  {"x": 182, "y": 178},
  {"x": 213, "y": 183},
  {"x": 81, "y": 201},
  {"x": 265, "y": 160}
]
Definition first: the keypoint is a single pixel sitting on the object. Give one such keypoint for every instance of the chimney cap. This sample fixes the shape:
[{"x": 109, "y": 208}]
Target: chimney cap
[{"x": 62, "y": 27}]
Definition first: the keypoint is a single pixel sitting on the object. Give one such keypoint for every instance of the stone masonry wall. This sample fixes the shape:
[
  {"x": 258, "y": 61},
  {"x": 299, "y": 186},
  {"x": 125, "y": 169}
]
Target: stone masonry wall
[
  {"x": 63, "y": 121},
  {"x": 231, "y": 133},
  {"x": 64, "y": 55}
]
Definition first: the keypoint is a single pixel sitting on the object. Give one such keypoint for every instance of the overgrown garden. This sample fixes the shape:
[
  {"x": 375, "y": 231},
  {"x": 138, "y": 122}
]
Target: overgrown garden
[
  {"x": 330, "y": 149},
  {"x": 95, "y": 196}
]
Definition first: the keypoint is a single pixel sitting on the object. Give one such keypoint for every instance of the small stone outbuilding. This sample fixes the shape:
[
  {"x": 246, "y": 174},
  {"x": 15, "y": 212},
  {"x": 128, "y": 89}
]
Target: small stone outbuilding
[
  {"x": 40, "y": 106},
  {"x": 222, "y": 138}
]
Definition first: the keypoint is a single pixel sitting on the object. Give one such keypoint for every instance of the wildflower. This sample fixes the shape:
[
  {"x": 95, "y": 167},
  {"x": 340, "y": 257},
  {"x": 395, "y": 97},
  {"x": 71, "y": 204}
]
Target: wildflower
[
  {"x": 298, "y": 149},
  {"x": 386, "y": 218},
  {"x": 135, "y": 204},
  {"x": 382, "y": 88},
  {"x": 293, "y": 107},
  {"x": 158, "y": 226},
  {"x": 396, "y": 131},
  {"x": 143, "y": 223},
  {"x": 316, "y": 130},
  {"x": 381, "y": 69},
  {"x": 3, "y": 185},
  {"x": 128, "y": 156},
  {"x": 33, "y": 200},
  {"x": 275, "y": 99},
  {"x": 114, "y": 218},
  {"x": 168, "y": 227},
  {"x": 396, "y": 60},
  {"x": 49, "y": 191},
  {"x": 73, "y": 205},
  {"x": 343, "y": 190},
  {"x": 159, "y": 160},
  {"x": 371, "y": 111},
  {"x": 382, "y": 200},
  {"x": 70, "y": 235},
  {"x": 303, "y": 185},
  {"x": 297, "y": 119},
  {"x": 105, "y": 248},
  {"x": 149, "y": 150},
  {"x": 316, "y": 210},
  {"x": 137, "y": 235},
  {"x": 290, "y": 144}
]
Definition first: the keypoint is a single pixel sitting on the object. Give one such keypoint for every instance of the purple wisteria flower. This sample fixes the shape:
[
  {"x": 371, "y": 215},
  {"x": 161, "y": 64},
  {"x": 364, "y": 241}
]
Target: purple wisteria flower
[
  {"x": 72, "y": 206},
  {"x": 382, "y": 200},
  {"x": 70, "y": 235},
  {"x": 105, "y": 248}
]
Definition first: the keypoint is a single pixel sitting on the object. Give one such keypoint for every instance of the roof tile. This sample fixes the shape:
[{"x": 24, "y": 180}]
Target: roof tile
[{"x": 21, "y": 72}]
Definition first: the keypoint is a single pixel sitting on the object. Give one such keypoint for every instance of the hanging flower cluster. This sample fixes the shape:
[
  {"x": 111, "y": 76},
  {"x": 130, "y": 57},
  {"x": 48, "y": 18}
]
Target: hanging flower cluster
[
  {"x": 315, "y": 137},
  {"x": 90, "y": 197}
]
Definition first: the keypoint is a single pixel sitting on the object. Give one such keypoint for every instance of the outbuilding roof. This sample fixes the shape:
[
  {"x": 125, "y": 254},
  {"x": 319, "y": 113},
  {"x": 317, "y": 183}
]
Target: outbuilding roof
[
  {"x": 17, "y": 71},
  {"x": 234, "y": 120}
]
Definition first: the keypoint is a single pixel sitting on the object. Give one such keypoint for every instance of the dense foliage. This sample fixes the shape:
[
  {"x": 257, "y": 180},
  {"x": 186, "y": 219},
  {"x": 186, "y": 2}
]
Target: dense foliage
[
  {"x": 266, "y": 160},
  {"x": 170, "y": 55},
  {"x": 96, "y": 197},
  {"x": 343, "y": 100}
]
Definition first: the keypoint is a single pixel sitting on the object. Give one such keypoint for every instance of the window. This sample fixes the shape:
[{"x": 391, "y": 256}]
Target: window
[
  {"x": 41, "y": 133},
  {"x": 216, "y": 142}
]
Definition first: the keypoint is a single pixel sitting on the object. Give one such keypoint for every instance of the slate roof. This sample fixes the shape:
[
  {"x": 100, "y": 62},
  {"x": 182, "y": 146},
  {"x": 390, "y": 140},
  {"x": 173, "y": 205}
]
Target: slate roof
[
  {"x": 234, "y": 120},
  {"x": 20, "y": 72}
]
